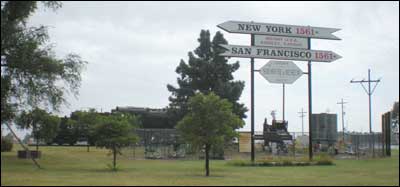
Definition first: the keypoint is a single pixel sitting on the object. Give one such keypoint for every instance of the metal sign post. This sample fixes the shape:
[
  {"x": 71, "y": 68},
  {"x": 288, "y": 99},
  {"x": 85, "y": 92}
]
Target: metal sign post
[
  {"x": 278, "y": 47},
  {"x": 252, "y": 102},
  {"x": 281, "y": 72},
  {"x": 283, "y": 102},
  {"x": 310, "y": 148}
]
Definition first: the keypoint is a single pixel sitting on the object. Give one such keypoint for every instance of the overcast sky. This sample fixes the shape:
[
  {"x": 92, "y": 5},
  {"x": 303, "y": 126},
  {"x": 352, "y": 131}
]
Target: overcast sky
[{"x": 133, "y": 49}]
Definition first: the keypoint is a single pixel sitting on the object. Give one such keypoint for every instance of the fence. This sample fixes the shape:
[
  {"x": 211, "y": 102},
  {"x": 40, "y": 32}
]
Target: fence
[{"x": 167, "y": 144}]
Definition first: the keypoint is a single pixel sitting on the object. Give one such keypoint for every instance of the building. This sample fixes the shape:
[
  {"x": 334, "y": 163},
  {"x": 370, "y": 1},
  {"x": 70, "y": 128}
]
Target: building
[
  {"x": 324, "y": 130},
  {"x": 150, "y": 117}
]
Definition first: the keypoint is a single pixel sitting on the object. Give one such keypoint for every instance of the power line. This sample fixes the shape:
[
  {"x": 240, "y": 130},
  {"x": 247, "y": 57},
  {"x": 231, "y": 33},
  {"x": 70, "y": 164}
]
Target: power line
[
  {"x": 369, "y": 93},
  {"x": 342, "y": 103},
  {"x": 302, "y": 120}
]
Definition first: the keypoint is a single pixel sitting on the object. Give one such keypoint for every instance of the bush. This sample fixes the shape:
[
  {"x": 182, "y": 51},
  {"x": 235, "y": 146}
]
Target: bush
[
  {"x": 287, "y": 162},
  {"x": 6, "y": 145},
  {"x": 320, "y": 160},
  {"x": 323, "y": 159},
  {"x": 239, "y": 163},
  {"x": 302, "y": 163},
  {"x": 267, "y": 163}
]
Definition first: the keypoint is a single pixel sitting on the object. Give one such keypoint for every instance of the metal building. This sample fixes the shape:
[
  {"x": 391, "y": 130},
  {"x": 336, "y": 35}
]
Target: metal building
[{"x": 324, "y": 130}]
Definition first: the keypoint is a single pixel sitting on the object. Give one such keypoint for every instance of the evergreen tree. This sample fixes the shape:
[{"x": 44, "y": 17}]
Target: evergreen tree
[{"x": 205, "y": 72}]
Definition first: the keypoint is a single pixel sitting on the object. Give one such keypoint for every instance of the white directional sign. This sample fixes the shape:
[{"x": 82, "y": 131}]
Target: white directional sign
[
  {"x": 278, "y": 29},
  {"x": 280, "y": 41},
  {"x": 281, "y": 72},
  {"x": 279, "y": 53}
]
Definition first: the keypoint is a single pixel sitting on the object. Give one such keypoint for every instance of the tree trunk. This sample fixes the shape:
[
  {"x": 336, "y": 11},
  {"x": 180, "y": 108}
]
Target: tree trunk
[
  {"x": 207, "y": 160},
  {"x": 37, "y": 138},
  {"x": 115, "y": 158},
  {"x": 37, "y": 144}
]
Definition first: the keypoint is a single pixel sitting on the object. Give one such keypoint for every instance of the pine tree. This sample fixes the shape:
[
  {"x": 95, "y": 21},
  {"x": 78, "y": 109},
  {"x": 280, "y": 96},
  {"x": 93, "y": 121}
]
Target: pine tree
[{"x": 205, "y": 72}]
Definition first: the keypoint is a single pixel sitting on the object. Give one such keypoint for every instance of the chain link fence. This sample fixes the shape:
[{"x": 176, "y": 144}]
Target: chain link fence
[{"x": 166, "y": 144}]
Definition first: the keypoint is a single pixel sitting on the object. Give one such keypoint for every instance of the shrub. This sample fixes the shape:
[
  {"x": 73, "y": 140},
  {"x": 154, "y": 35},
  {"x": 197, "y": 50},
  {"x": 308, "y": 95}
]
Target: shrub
[
  {"x": 6, "y": 145},
  {"x": 240, "y": 163},
  {"x": 302, "y": 163},
  {"x": 287, "y": 162},
  {"x": 265, "y": 163},
  {"x": 323, "y": 159}
]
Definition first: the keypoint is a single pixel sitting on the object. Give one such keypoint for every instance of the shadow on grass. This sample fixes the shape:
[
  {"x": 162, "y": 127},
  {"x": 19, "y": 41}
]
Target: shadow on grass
[{"x": 203, "y": 176}]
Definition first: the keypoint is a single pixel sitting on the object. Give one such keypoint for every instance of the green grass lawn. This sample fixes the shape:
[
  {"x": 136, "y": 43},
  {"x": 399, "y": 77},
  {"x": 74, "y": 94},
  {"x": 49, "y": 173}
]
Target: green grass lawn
[{"x": 75, "y": 166}]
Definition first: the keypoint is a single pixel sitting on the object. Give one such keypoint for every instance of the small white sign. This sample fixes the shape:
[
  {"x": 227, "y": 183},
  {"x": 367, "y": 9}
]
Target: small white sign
[
  {"x": 281, "y": 72},
  {"x": 280, "y": 41}
]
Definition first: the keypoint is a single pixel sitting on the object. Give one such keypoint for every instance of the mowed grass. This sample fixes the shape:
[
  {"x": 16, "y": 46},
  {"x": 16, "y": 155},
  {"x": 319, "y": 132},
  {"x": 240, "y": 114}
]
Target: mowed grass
[{"x": 75, "y": 166}]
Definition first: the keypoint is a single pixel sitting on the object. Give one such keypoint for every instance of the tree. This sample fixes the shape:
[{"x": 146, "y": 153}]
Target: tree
[
  {"x": 9, "y": 136},
  {"x": 31, "y": 74},
  {"x": 209, "y": 122},
  {"x": 85, "y": 123},
  {"x": 205, "y": 72},
  {"x": 114, "y": 133},
  {"x": 26, "y": 138},
  {"x": 65, "y": 133},
  {"x": 395, "y": 117},
  {"x": 44, "y": 125}
]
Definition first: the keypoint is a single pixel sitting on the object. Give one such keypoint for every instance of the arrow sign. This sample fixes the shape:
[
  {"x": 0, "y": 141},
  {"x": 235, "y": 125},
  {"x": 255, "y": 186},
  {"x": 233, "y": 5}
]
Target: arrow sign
[
  {"x": 279, "y": 29},
  {"x": 281, "y": 72},
  {"x": 279, "y": 53}
]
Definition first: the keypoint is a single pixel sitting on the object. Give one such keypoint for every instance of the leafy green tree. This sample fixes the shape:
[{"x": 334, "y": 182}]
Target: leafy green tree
[
  {"x": 85, "y": 123},
  {"x": 44, "y": 125},
  {"x": 114, "y": 133},
  {"x": 66, "y": 132},
  {"x": 31, "y": 74},
  {"x": 205, "y": 72},
  {"x": 209, "y": 122}
]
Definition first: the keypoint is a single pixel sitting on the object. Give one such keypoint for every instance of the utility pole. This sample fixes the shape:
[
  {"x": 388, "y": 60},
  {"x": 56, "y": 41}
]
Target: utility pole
[
  {"x": 302, "y": 120},
  {"x": 342, "y": 103},
  {"x": 369, "y": 93}
]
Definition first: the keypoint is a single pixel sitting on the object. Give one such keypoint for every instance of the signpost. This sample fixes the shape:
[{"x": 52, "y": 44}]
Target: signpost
[
  {"x": 281, "y": 72},
  {"x": 279, "y": 30},
  {"x": 277, "y": 47},
  {"x": 279, "y": 53}
]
